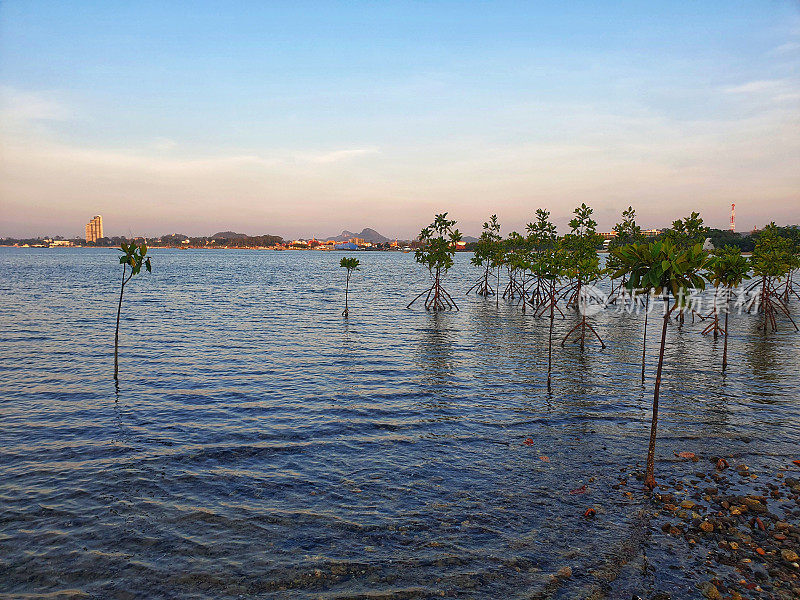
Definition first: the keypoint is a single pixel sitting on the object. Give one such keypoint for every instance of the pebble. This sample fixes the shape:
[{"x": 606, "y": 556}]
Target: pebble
[
  {"x": 710, "y": 591},
  {"x": 755, "y": 505},
  {"x": 564, "y": 572},
  {"x": 789, "y": 555}
]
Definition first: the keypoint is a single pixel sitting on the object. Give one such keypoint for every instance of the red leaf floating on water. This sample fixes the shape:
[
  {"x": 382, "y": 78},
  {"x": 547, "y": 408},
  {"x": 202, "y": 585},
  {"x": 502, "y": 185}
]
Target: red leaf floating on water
[
  {"x": 528, "y": 442},
  {"x": 689, "y": 455},
  {"x": 580, "y": 490},
  {"x": 797, "y": 462},
  {"x": 544, "y": 458},
  {"x": 590, "y": 512}
]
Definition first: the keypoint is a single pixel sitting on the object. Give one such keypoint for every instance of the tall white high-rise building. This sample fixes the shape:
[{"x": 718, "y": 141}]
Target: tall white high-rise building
[{"x": 94, "y": 229}]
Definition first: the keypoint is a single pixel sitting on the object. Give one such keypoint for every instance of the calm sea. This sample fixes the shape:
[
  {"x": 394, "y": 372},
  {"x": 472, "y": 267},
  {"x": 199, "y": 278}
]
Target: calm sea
[{"x": 260, "y": 445}]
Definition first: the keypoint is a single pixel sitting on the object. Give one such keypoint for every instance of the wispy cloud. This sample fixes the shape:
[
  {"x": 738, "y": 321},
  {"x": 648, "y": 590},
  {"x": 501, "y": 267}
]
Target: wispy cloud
[
  {"x": 787, "y": 48},
  {"x": 164, "y": 144},
  {"x": 19, "y": 106},
  {"x": 759, "y": 85},
  {"x": 334, "y": 155},
  {"x": 158, "y": 161},
  {"x": 771, "y": 90}
]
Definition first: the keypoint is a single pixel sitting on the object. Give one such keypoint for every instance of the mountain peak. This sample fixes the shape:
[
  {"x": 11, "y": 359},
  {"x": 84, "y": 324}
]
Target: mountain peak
[
  {"x": 229, "y": 235},
  {"x": 367, "y": 234}
]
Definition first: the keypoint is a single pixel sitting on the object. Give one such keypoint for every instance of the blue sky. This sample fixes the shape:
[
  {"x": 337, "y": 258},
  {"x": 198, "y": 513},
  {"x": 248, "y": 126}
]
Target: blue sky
[{"x": 307, "y": 118}]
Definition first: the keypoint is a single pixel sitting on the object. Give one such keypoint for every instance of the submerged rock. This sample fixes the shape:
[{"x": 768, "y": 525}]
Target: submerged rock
[
  {"x": 564, "y": 573},
  {"x": 789, "y": 555},
  {"x": 710, "y": 591}
]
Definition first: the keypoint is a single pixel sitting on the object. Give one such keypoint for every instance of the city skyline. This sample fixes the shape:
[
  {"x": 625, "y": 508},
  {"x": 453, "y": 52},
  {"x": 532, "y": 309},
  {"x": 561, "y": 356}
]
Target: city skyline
[{"x": 311, "y": 118}]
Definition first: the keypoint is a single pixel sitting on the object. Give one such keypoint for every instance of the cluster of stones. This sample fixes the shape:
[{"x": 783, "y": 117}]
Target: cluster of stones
[{"x": 742, "y": 535}]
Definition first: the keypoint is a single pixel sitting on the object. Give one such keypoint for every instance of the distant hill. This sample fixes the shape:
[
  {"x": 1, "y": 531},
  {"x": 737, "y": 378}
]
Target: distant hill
[
  {"x": 228, "y": 235},
  {"x": 468, "y": 239},
  {"x": 367, "y": 234}
]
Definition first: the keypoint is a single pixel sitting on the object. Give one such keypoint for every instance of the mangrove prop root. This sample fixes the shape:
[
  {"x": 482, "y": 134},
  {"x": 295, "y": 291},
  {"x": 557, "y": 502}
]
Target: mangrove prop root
[
  {"x": 436, "y": 298},
  {"x": 482, "y": 286},
  {"x": 583, "y": 325},
  {"x": 770, "y": 305},
  {"x": 544, "y": 308}
]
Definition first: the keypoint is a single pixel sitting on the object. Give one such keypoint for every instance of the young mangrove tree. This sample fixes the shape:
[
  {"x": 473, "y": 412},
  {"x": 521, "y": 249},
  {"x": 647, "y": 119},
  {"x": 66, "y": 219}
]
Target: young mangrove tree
[
  {"x": 133, "y": 257},
  {"x": 351, "y": 264},
  {"x": 438, "y": 247}
]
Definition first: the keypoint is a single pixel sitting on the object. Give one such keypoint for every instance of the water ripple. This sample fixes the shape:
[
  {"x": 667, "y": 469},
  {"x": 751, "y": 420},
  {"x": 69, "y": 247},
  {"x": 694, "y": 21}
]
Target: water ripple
[{"x": 262, "y": 446}]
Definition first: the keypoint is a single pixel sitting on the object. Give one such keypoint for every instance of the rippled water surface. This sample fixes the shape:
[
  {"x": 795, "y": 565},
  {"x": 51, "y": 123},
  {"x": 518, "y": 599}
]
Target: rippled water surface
[{"x": 261, "y": 445}]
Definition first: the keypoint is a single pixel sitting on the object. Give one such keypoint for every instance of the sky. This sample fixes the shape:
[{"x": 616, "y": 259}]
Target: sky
[{"x": 305, "y": 118}]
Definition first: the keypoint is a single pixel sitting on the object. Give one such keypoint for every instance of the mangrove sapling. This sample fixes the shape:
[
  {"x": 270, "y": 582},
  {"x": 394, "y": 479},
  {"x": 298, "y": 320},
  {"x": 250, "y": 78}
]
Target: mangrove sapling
[
  {"x": 665, "y": 269},
  {"x": 718, "y": 264},
  {"x": 541, "y": 237},
  {"x": 727, "y": 269},
  {"x": 438, "y": 247},
  {"x": 790, "y": 285},
  {"x": 133, "y": 256},
  {"x": 515, "y": 264},
  {"x": 686, "y": 233},
  {"x": 351, "y": 264},
  {"x": 583, "y": 267},
  {"x": 499, "y": 257},
  {"x": 772, "y": 260},
  {"x": 581, "y": 243},
  {"x": 791, "y": 235},
  {"x": 485, "y": 250},
  {"x": 548, "y": 267},
  {"x": 626, "y": 232}
]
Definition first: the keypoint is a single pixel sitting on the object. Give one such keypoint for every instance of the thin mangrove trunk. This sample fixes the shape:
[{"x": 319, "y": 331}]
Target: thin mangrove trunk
[
  {"x": 716, "y": 314},
  {"x": 497, "y": 297},
  {"x": 725, "y": 342},
  {"x": 346, "y": 294},
  {"x": 550, "y": 336},
  {"x": 116, "y": 334},
  {"x": 644, "y": 335},
  {"x": 649, "y": 478}
]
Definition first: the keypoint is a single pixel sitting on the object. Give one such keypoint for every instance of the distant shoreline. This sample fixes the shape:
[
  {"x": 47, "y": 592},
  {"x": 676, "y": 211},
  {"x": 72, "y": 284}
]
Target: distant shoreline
[{"x": 274, "y": 249}]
